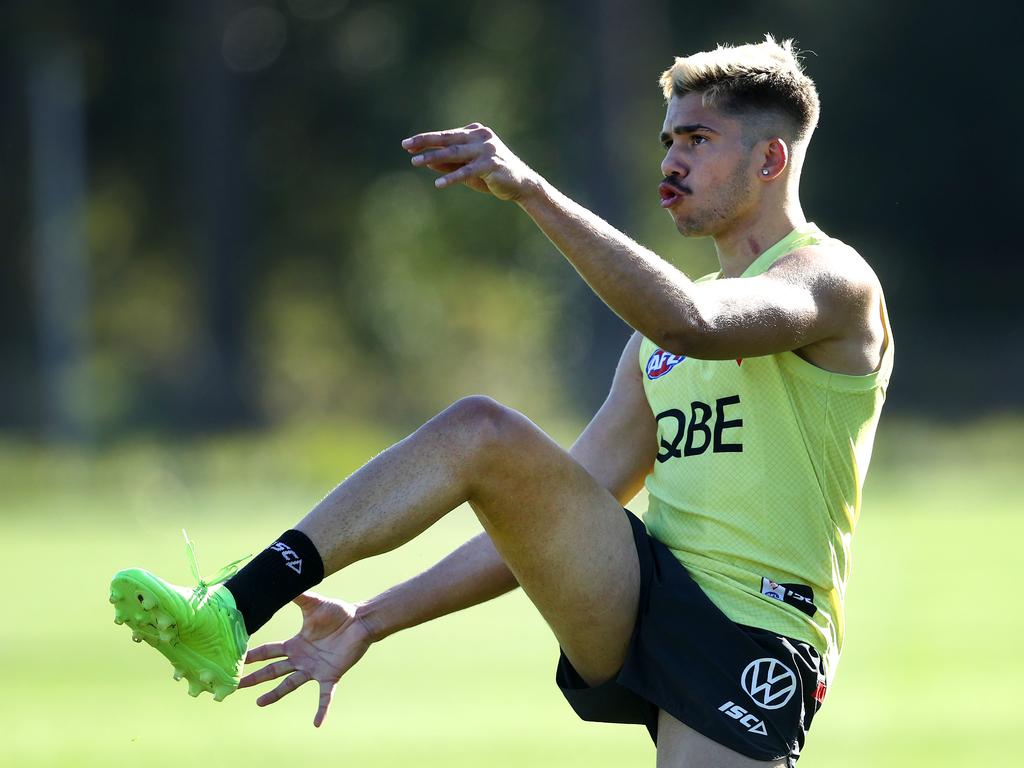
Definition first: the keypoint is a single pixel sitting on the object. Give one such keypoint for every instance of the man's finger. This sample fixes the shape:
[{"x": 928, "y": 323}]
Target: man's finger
[
  {"x": 265, "y": 652},
  {"x": 465, "y": 172},
  {"x": 443, "y": 167},
  {"x": 458, "y": 154},
  {"x": 326, "y": 694},
  {"x": 269, "y": 672},
  {"x": 289, "y": 684},
  {"x": 438, "y": 139}
]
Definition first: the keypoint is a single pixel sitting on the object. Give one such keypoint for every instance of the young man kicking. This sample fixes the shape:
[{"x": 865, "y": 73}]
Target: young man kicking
[{"x": 747, "y": 402}]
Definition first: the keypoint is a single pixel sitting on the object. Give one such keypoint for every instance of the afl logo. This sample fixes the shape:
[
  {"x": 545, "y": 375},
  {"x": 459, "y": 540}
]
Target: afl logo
[{"x": 661, "y": 362}]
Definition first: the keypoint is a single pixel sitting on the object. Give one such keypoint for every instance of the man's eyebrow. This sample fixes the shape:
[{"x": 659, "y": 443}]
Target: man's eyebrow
[{"x": 682, "y": 130}]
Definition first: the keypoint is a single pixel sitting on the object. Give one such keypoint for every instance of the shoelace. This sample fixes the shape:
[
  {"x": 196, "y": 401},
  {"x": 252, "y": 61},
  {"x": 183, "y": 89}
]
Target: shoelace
[{"x": 203, "y": 585}]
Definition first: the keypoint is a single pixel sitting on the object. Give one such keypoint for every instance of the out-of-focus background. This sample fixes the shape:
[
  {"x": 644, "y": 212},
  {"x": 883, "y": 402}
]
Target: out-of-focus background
[{"x": 223, "y": 288}]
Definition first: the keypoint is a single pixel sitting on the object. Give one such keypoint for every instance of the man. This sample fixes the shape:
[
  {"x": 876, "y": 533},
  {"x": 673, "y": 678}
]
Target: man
[{"x": 746, "y": 401}]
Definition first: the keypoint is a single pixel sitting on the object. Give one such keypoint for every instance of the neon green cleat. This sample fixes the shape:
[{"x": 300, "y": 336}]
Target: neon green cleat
[{"x": 200, "y": 631}]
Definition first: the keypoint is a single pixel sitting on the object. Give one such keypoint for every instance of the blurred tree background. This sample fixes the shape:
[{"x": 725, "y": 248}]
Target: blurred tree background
[
  {"x": 223, "y": 287},
  {"x": 207, "y": 221}
]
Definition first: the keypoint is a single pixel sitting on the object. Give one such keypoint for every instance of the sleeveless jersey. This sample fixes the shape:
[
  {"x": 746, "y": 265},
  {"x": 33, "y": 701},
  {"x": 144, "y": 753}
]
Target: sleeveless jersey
[{"x": 757, "y": 484}]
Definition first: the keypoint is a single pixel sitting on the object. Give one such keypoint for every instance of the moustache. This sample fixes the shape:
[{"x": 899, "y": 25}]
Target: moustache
[{"x": 677, "y": 185}]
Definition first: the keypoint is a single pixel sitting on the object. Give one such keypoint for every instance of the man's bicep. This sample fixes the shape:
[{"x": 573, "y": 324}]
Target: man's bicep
[
  {"x": 754, "y": 316},
  {"x": 778, "y": 311},
  {"x": 619, "y": 444}
]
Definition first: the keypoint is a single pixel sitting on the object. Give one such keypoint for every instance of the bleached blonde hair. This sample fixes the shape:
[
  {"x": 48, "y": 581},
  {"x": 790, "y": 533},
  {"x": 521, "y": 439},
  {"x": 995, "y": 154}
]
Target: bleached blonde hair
[{"x": 762, "y": 77}]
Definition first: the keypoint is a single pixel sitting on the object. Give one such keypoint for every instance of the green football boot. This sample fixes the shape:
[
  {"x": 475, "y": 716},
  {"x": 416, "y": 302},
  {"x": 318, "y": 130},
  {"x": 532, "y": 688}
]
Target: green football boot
[{"x": 199, "y": 630}]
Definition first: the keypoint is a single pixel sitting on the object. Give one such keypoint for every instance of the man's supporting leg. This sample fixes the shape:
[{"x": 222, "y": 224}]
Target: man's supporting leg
[
  {"x": 679, "y": 746},
  {"x": 564, "y": 537}
]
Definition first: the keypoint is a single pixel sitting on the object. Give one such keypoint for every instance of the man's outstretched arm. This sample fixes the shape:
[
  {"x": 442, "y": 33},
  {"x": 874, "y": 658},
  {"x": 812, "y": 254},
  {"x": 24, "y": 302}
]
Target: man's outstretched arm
[
  {"x": 791, "y": 306},
  {"x": 472, "y": 574}
]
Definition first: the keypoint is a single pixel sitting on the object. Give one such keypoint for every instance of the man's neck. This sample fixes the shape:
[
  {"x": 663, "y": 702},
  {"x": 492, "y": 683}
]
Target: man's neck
[{"x": 739, "y": 247}]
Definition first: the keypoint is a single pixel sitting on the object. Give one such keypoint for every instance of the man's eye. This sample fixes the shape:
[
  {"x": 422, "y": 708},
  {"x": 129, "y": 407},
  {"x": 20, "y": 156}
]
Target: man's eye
[
  {"x": 667, "y": 144},
  {"x": 698, "y": 139}
]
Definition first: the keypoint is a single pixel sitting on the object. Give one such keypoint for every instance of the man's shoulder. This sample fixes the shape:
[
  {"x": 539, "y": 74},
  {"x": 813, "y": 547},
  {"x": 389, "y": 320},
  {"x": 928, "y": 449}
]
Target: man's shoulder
[
  {"x": 849, "y": 300},
  {"x": 831, "y": 269}
]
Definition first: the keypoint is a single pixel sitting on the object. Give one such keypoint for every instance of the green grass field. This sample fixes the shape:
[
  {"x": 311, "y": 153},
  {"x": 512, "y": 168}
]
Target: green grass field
[{"x": 930, "y": 674}]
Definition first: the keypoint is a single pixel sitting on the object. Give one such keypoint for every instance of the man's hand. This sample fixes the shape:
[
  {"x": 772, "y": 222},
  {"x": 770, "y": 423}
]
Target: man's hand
[
  {"x": 331, "y": 641},
  {"x": 475, "y": 156}
]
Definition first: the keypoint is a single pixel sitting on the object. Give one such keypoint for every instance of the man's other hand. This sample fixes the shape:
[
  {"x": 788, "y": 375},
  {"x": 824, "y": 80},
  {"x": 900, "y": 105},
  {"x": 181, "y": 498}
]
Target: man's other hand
[
  {"x": 474, "y": 156},
  {"x": 331, "y": 641}
]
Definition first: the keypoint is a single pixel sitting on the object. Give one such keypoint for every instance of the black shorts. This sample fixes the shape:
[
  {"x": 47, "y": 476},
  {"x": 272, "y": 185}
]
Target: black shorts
[{"x": 748, "y": 689}]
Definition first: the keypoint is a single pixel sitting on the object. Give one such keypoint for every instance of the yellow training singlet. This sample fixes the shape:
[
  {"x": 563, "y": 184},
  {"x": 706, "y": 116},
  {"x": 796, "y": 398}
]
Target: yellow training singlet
[{"x": 757, "y": 484}]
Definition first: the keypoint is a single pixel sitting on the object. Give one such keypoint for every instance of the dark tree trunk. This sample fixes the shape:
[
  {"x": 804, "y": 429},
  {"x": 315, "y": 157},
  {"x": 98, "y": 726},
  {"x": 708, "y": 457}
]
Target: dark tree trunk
[
  {"x": 217, "y": 395},
  {"x": 615, "y": 72}
]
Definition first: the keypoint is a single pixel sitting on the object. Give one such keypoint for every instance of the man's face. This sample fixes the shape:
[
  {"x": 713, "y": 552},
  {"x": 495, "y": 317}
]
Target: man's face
[{"x": 710, "y": 173}]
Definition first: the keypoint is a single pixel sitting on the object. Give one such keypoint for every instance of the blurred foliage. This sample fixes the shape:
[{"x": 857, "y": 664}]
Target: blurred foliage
[
  {"x": 127, "y": 475},
  {"x": 911, "y": 457},
  {"x": 259, "y": 251}
]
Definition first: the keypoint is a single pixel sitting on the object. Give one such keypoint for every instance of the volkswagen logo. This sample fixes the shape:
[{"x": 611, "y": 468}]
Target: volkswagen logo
[{"x": 769, "y": 682}]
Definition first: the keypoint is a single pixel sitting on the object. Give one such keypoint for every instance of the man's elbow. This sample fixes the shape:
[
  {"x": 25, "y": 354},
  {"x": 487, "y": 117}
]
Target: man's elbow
[{"x": 692, "y": 337}]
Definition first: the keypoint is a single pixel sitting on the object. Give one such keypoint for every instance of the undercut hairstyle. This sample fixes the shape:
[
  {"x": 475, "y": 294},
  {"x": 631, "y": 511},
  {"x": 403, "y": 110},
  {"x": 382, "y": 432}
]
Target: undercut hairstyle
[{"x": 748, "y": 79}]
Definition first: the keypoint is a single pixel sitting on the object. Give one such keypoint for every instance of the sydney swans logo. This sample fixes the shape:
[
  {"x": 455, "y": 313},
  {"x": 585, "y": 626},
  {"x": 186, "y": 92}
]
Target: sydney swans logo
[{"x": 769, "y": 682}]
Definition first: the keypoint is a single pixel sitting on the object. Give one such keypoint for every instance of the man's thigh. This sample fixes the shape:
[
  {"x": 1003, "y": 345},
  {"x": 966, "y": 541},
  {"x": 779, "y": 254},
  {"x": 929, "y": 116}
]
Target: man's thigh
[
  {"x": 566, "y": 539},
  {"x": 679, "y": 746}
]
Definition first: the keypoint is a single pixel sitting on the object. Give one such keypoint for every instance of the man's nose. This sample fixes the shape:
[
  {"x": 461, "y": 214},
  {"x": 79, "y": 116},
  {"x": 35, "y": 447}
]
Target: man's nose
[{"x": 671, "y": 166}]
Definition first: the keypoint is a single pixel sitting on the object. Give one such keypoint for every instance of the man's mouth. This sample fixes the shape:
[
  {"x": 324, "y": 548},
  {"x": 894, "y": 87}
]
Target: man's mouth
[{"x": 670, "y": 195}]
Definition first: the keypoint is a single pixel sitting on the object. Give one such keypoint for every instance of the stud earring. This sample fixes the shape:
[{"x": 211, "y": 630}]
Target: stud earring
[{"x": 765, "y": 171}]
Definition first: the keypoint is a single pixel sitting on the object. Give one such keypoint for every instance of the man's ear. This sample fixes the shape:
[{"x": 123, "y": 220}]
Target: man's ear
[{"x": 774, "y": 158}]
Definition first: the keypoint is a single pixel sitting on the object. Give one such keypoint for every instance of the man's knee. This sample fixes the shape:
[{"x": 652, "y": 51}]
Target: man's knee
[{"x": 487, "y": 425}]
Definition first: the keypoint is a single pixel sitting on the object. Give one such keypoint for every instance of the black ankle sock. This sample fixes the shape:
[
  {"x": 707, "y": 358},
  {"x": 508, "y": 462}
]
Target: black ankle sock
[{"x": 275, "y": 577}]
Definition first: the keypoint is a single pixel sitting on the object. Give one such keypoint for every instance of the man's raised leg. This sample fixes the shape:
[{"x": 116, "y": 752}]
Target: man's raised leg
[{"x": 564, "y": 537}]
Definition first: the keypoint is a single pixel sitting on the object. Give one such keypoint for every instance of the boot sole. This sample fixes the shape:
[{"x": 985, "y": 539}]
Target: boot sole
[{"x": 144, "y": 603}]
